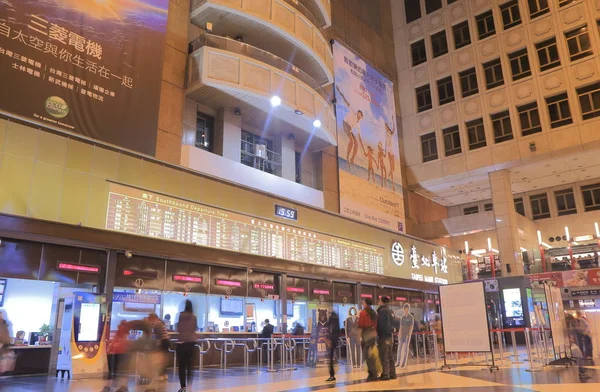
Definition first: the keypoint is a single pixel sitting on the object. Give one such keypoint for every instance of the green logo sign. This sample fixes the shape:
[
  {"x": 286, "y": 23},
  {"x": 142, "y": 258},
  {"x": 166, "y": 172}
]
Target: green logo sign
[{"x": 56, "y": 107}]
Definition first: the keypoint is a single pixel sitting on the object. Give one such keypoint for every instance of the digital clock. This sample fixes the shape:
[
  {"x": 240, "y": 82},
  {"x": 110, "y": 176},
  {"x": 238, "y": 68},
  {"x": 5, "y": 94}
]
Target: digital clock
[{"x": 287, "y": 213}]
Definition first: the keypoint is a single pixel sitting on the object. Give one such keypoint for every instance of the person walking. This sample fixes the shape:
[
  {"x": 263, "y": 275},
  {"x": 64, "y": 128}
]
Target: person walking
[
  {"x": 187, "y": 326},
  {"x": 333, "y": 324},
  {"x": 367, "y": 322},
  {"x": 385, "y": 332},
  {"x": 266, "y": 334}
]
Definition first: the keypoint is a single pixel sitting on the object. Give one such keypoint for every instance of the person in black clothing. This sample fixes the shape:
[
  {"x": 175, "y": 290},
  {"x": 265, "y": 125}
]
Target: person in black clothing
[
  {"x": 334, "y": 336},
  {"x": 385, "y": 332},
  {"x": 266, "y": 333}
]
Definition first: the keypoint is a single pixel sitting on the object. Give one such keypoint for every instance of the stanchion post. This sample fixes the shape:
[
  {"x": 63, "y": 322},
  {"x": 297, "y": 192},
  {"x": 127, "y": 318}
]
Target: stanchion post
[
  {"x": 515, "y": 350},
  {"x": 500, "y": 346}
]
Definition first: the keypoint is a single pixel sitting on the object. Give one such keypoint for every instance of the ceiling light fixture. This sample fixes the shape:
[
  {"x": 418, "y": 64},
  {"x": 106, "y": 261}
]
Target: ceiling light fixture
[
  {"x": 317, "y": 123},
  {"x": 275, "y": 101}
]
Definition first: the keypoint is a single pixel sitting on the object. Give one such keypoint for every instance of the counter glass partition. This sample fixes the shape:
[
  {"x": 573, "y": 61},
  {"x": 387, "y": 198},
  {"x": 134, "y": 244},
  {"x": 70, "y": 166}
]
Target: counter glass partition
[
  {"x": 131, "y": 304},
  {"x": 173, "y": 303}
]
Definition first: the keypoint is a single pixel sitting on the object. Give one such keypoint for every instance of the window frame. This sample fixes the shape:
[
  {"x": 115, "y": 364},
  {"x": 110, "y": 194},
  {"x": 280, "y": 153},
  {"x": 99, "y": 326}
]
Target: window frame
[
  {"x": 501, "y": 118},
  {"x": 519, "y": 201},
  {"x": 557, "y": 100},
  {"x": 483, "y": 20},
  {"x": 431, "y": 140},
  {"x": 545, "y": 47},
  {"x": 494, "y": 66},
  {"x": 520, "y": 60},
  {"x": 592, "y": 188},
  {"x": 477, "y": 125},
  {"x": 571, "y": 36},
  {"x": 511, "y": 10},
  {"x": 486, "y": 209},
  {"x": 406, "y": 14},
  {"x": 564, "y": 3},
  {"x": 459, "y": 30},
  {"x": 469, "y": 76},
  {"x": 452, "y": 142},
  {"x": 590, "y": 91},
  {"x": 413, "y": 46},
  {"x": 436, "y": 38},
  {"x": 542, "y": 203},
  {"x": 432, "y": 10},
  {"x": 539, "y": 11},
  {"x": 471, "y": 210},
  {"x": 563, "y": 194},
  {"x": 445, "y": 85},
  {"x": 425, "y": 92},
  {"x": 530, "y": 110},
  {"x": 209, "y": 122}
]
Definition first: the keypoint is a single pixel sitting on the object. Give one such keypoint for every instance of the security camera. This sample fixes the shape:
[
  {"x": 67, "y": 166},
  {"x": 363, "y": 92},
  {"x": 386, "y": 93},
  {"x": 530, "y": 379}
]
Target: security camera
[
  {"x": 237, "y": 111},
  {"x": 250, "y": 270},
  {"x": 128, "y": 254},
  {"x": 329, "y": 280}
]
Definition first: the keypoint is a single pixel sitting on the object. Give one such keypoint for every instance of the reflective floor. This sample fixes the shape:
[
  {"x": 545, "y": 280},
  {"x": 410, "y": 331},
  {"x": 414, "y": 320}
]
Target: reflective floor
[{"x": 462, "y": 377}]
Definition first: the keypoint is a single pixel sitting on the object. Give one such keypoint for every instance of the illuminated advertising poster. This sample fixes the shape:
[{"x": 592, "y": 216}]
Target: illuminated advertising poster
[
  {"x": 368, "y": 153},
  {"x": 86, "y": 66}
]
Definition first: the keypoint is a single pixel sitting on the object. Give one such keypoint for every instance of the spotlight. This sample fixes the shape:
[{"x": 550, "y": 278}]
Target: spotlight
[
  {"x": 275, "y": 101},
  {"x": 317, "y": 123},
  {"x": 299, "y": 112},
  {"x": 128, "y": 254}
]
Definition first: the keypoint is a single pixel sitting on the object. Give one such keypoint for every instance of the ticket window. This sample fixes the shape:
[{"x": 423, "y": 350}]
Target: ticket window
[
  {"x": 132, "y": 304},
  {"x": 225, "y": 314},
  {"x": 173, "y": 303}
]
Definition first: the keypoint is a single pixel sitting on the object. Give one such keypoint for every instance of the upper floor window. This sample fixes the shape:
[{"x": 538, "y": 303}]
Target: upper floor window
[
  {"x": 488, "y": 207},
  {"x": 510, "y": 14},
  {"x": 519, "y": 64},
  {"x": 298, "y": 160},
  {"x": 547, "y": 54},
  {"x": 204, "y": 131},
  {"x": 468, "y": 82},
  {"x": 476, "y": 134},
  {"x": 485, "y": 24},
  {"x": 559, "y": 110},
  {"x": 589, "y": 99},
  {"x": 452, "y": 1},
  {"x": 519, "y": 206},
  {"x": 578, "y": 42},
  {"x": 445, "y": 90},
  {"x": 429, "y": 147},
  {"x": 412, "y": 9},
  {"x": 432, "y": 5},
  {"x": 539, "y": 206},
  {"x": 471, "y": 210},
  {"x": 452, "y": 141},
  {"x": 462, "y": 36},
  {"x": 538, "y": 8},
  {"x": 529, "y": 116},
  {"x": 423, "y": 98},
  {"x": 493, "y": 74},
  {"x": 439, "y": 44},
  {"x": 502, "y": 127},
  {"x": 563, "y": 3},
  {"x": 565, "y": 202},
  {"x": 258, "y": 153},
  {"x": 591, "y": 197},
  {"x": 418, "y": 52}
]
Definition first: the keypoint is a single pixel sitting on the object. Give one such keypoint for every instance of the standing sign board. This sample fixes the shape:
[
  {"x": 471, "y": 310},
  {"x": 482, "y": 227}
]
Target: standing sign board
[{"x": 319, "y": 339}]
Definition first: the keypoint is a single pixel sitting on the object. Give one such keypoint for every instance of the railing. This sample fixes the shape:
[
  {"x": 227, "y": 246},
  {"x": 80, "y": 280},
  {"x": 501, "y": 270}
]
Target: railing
[{"x": 241, "y": 48}]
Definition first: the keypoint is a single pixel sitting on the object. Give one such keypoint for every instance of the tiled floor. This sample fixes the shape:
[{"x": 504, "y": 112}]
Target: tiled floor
[{"x": 423, "y": 378}]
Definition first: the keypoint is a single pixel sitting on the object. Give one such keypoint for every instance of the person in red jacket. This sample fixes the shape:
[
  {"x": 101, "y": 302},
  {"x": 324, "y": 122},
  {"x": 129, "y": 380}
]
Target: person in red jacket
[{"x": 367, "y": 322}]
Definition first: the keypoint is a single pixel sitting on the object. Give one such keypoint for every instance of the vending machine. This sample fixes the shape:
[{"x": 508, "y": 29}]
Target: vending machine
[{"x": 82, "y": 348}]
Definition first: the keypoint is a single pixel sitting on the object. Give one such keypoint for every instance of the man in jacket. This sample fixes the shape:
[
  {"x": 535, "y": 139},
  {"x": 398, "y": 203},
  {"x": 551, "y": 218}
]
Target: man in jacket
[
  {"x": 385, "y": 332},
  {"x": 333, "y": 325},
  {"x": 367, "y": 322}
]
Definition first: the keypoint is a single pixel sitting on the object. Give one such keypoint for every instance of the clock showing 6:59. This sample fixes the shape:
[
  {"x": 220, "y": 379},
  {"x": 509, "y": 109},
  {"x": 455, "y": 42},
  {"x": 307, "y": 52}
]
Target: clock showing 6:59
[{"x": 285, "y": 212}]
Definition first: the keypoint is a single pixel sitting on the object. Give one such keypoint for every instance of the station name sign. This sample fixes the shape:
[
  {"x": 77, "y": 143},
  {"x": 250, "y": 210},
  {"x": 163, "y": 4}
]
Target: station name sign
[{"x": 425, "y": 267}]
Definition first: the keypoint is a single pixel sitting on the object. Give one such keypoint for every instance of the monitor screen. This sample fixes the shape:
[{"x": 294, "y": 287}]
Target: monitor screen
[
  {"x": 89, "y": 321},
  {"x": 512, "y": 303},
  {"x": 232, "y": 306}
]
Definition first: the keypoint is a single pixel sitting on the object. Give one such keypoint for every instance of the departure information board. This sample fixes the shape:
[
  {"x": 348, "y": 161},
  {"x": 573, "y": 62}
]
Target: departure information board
[{"x": 145, "y": 213}]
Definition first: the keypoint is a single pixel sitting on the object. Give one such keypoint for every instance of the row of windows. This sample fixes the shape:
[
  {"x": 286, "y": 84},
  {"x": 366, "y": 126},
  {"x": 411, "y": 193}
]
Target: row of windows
[
  {"x": 578, "y": 43},
  {"x": 547, "y": 51},
  {"x": 540, "y": 207},
  {"x": 559, "y": 114}
]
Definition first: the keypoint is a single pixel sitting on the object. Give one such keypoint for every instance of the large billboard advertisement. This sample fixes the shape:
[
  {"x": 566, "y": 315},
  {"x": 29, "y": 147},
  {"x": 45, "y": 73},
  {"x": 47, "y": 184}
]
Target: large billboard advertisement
[
  {"x": 368, "y": 153},
  {"x": 87, "y": 66}
]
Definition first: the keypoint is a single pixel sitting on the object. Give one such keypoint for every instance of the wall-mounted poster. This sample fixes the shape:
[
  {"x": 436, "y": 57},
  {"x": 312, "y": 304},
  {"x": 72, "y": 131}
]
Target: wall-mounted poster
[
  {"x": 87, "y": 66},
  {"x": 368, "y": 152}
]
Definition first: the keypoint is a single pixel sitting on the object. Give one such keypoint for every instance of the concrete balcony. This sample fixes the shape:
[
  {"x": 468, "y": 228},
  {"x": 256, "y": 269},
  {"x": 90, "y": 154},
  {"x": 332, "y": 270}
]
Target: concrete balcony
[
  {"x": 469, "y": 224},
  {"x": 321, "y": 9},
  {"x": 238, "y": 173},
  {"x": 224, "y": 73},
  {"x": 284, "y": 28}
]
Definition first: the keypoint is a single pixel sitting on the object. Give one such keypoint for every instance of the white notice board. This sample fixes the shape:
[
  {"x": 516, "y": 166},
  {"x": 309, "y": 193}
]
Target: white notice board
[{"x": 464, "y": 318}]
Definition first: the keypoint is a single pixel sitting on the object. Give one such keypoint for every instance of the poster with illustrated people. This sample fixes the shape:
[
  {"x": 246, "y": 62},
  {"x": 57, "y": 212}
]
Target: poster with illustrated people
[
  {"x": 407, "y": 323},
  {"x": 318, "y": 353},
  {"x": 368, "y": 152}
]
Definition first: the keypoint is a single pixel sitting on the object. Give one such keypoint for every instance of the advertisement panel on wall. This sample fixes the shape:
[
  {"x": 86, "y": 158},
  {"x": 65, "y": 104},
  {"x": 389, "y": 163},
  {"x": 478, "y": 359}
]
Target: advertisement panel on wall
[
  {"x": 89, "y": 67},
  {"x": 368, "y": 153}
]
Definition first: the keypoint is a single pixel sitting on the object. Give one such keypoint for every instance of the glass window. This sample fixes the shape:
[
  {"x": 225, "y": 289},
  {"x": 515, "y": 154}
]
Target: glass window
[
  {"x": 589, "y": 99},
  {"x": 439, "y": 43},
  {"x": 204, "y": 131},
  {"x": 563, "y": 3},
  {"x": 591, "y": 197},
  {"x": 578, "y": 42},
  {"x": 423, "y": 98},
  {"x": 519, "y": 64},
  {"x": 519, "y": 206},
  {"x": 298, "y": 161},
  {"x": 452, "y": 141},
  {"x": 432, "y": 5},
  {"x": 559, "y": 110},
  {"x": 173, "y": 304},
  {"x": 412, "y": 9},
  {"x": 502, "y": 127},
  {"x": 258, "y": 152},
  {"x": 471, "y": 210},
  {"x": 547, "y": 54},
  {"x": 452, "y": 1},
  {"x": 539, "y": 206},
  {"x": 488, "y": 207},
  {"x": 419, "y": 54},
  {"x": 493, "y": 74},
  {"x": 538, "y": 8},
  {"x": 565, "y": 202},
  {"x": 510, "y": 14},
  {"x": 462, "y": 36},
  {"x": 468, "y": 82},
  {"x": 445, "y": 90},
  {"x": 429, "y": 147},
  {"x": 476, "y": 134},
  {"x": 529, "y": 116},
  {"x": 225, "y": 314},
  {"x": 485, "y": 25}
]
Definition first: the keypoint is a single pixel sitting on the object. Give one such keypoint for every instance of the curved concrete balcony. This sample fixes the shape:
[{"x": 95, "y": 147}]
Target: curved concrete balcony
[
  {"x": 321, "y": 9},
  {"x": 278, "y": 26},
  {"x": 224, "y": 73}
]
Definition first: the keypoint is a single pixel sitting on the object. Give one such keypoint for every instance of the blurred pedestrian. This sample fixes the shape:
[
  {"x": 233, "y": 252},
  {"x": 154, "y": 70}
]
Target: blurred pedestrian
[
  {"x": 161, "y": 336},
  {"x": 439, "y": 332},
  {"x": 187, "y": 326},
  {"x": 167, "y": 321},
  {"x": 580, "y": 336},
  {"x": 386, "y": 325},
  {"x": 367, "y": 322},
  {"x": 333, "y": 324}
]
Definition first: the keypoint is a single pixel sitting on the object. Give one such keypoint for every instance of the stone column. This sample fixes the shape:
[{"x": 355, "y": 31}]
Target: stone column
[
  {"x": 506, "y": 223},
  {"x": 286, "y": 147},
  {"x": 228, "y": 135}
]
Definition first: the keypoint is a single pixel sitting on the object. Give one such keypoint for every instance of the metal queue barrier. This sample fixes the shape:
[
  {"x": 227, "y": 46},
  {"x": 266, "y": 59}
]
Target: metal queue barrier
[{"x": 204, "y": 347}]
